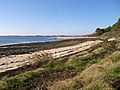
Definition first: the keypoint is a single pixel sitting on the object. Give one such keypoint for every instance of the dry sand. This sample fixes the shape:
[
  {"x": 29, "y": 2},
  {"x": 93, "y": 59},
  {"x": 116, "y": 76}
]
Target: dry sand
[
  {"x": 15, "y": 61},
  {"x": 67, "y": 38}
]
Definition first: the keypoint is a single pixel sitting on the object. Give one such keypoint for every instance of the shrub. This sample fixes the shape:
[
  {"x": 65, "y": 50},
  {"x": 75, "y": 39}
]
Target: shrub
[
  {"x": 99, "y": 31},
  {"x": 43, "y": 56},
  {"x": 80, "y": 62},
  {"x": 38, "y": 60}
]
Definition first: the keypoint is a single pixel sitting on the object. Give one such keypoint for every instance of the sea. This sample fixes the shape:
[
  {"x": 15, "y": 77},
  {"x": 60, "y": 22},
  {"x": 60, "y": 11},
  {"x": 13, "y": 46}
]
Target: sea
[{"x": 9, "y": 40}]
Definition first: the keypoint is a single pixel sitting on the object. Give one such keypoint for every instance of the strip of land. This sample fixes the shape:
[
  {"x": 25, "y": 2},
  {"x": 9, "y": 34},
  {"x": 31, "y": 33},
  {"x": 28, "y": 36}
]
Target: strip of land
[
  {"x": 68, "y": 38},
  {"x": 25, "y": 48},
  {"x": 15, "y": 61}
]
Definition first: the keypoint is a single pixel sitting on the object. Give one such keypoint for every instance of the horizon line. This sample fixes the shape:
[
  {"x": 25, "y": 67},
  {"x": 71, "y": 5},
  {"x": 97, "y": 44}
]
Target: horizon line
[{"x": 43, "y": 35}]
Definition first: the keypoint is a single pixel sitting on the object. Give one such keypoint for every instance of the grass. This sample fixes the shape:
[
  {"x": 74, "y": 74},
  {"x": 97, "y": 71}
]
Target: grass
[
  {"x": 81, "y": 72},
  {"x": 116, "y": 58},
  {"x": 54, "y": 70},
  {"x": 95, "y": 86},
  {"x": 81, "y": 62},
  {"x": 56, "y": 66},
  {"x": 113, "y": 77},
  {"x": 19, "y": 80},
  {"x": 103, "y": 75},
  {"x": 69, "y": 84}
]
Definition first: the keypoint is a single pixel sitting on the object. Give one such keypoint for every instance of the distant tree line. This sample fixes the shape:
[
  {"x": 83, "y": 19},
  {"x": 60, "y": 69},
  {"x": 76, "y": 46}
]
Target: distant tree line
[
  {"x": 101, "y": 31},
  {"x": 116, "y": 26}
]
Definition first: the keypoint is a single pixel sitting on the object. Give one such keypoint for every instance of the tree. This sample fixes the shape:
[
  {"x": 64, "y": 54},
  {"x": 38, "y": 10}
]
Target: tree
[
  {"x": 119, "y": 20},
  {"x": 99, "y": 31},
  {"x": 107, "y": 29}
]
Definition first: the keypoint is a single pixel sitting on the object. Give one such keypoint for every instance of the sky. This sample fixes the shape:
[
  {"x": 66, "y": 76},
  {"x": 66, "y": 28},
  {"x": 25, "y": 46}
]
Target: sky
[{"x": 56, "y": 17}]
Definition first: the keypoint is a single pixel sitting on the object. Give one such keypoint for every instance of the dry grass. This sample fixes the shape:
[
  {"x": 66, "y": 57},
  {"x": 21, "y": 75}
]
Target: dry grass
[
  {"x": 39, "y": 58},
  {"x": 92, "y": 78},
  {"x": 68, "y": 75}
]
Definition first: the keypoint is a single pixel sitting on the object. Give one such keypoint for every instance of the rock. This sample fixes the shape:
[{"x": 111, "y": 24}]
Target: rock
[{"x": 112, "y": 39}]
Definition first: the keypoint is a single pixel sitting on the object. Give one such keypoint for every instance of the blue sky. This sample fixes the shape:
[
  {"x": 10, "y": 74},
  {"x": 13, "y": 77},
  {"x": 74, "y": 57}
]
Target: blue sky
[{"x": 72, "y": 17}]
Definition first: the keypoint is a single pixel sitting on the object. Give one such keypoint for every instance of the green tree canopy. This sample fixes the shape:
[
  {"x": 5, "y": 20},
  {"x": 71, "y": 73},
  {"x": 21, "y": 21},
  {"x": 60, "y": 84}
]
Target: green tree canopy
[{"x": 99, "y": 31}]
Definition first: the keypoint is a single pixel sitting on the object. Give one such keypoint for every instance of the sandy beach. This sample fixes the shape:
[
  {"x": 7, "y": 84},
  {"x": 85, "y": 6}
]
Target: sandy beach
[
  {"x": 69, "y": 38},
  {"x": 26, "y": 48},
  {"x": 15, "y": 61}
]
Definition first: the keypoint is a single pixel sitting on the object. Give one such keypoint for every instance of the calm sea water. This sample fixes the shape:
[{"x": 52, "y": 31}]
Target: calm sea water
[{"x": 8, "y": 40}]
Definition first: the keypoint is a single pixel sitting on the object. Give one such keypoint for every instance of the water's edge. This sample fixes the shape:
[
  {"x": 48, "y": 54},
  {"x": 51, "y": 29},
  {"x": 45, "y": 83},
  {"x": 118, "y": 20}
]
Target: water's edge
[{"x": 12, "y": 40}]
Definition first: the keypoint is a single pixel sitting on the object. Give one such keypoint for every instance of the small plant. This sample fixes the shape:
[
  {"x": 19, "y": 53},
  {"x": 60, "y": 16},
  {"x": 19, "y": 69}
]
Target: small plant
[
  {"x": 42, "y": 57},
  {"x": 39, "y": 59}
]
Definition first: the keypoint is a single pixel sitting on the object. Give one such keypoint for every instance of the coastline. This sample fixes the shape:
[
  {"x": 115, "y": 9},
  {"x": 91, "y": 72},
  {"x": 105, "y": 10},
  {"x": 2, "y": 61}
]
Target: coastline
[
  {"x": 24, "y": 48},
  {"x": 13, "y": 62},
  {"x": 74, "y": 37}
]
